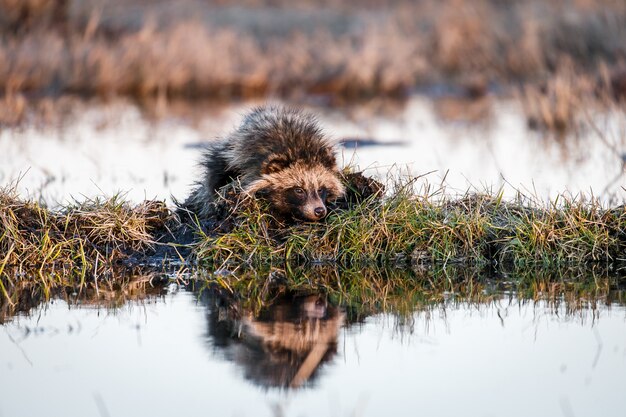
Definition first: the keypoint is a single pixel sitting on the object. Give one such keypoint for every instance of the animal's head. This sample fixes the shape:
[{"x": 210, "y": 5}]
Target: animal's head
[{"x": 300, "y": 190}]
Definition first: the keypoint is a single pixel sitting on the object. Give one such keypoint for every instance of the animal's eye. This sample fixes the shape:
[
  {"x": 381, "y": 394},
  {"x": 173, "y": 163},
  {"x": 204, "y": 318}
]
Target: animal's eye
[{"x": 298, "y": 190}]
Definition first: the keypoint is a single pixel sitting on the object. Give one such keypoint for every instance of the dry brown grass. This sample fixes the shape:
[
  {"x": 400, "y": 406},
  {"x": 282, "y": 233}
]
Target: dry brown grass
[
  {"x": 199, "y": 49},
  {"x": 21, "y": 15},
  {"x": 556, "y": 104},
  {"x": 190, "y": 60},
  {"x": 85, "y": 239},
  {"x": 563, "y": 102}
]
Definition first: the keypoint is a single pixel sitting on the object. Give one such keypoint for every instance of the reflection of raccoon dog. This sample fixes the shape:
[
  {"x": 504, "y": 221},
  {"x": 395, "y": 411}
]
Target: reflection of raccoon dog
[
  {"x": 276, "y": 154},
  {"x": 285, "y": 344}
]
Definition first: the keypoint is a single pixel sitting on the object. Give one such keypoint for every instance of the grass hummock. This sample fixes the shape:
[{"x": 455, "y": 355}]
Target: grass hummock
[
  {"x": 406, "y": 226},
  {"x": 86, "y": 237},
  {"x": 411, "y": 228}
]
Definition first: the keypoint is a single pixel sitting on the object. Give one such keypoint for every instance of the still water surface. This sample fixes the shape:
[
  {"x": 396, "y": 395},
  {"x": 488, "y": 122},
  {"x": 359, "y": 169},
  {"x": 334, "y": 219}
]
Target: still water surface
[
  {"x": 185, "y": 354},
  {"x": 104, "y": 148}
]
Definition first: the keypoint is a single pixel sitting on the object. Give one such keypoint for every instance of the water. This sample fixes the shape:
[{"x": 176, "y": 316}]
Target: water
[
  {"x": 178, "y": 352},
  {"x": 105, "y": 148},
  {"x": 182, "y": 353}
]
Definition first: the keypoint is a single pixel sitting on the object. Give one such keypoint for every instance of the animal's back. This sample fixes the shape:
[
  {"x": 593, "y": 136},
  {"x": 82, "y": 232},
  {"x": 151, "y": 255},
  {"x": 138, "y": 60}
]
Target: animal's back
[{"x": 280, "y": 134}]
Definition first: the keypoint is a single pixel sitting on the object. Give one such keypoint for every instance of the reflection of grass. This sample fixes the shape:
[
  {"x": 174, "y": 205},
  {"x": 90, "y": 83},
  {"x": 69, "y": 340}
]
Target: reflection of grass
[
  {"x": 31, "y": 291},
  {"x": 361, "y": 291},
  {"x": 366, "y": 291}
]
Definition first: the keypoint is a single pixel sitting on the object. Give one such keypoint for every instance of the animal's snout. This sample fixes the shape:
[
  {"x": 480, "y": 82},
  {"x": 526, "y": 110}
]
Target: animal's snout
[{"x": 320, "y": 212}]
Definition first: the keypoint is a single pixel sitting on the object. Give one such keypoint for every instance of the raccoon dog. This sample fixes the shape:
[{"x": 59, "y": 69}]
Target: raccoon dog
[{"x": 276, "y": 154}]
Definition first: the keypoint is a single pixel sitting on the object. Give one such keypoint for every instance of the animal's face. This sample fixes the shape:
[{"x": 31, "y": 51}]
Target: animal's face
[
  {"x": 300, "y": 191},
  {"x": 306, "y": 204}
]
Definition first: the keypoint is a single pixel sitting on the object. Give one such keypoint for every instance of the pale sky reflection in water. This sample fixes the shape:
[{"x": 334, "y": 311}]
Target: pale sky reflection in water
[
  {"x": 111, "y": 147},
  {"x": 155, "y": 359}
]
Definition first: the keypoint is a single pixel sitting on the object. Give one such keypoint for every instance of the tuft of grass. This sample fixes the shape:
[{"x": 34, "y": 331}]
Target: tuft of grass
[
  {"x": 20, "y": 15},
  {"x": 85, "y": 238},
  {"x": 78, "y": 249},
  {"x": 557, "y": 104},
  {"x": 408, "y": 228}
]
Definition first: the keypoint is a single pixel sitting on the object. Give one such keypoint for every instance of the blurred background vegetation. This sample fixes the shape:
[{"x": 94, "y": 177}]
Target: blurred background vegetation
[{"x": 336, "y": 48}]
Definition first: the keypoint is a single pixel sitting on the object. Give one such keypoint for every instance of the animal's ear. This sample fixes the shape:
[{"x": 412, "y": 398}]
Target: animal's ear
[
  {"x": 274, "y": 163},
  {"x": 258, "y": 188},
  {"x": 327, "y": 158}
]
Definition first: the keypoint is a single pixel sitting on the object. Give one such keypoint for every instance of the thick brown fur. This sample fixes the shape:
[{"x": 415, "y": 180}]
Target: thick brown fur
[{"x": 277, "y": 154}]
